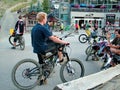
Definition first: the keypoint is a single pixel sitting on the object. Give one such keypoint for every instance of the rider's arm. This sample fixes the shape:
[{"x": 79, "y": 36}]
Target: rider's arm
[
  {"x": 108, "y": 35},
  {"x": 57, "y": 40},
  {"x": 115, "y": 46}
]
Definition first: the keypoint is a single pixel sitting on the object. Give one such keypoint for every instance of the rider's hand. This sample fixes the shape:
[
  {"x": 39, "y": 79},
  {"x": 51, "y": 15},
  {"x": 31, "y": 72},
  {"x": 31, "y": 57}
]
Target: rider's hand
[
  {"x": 56, "y": 36},
  {"x": 66, "y": 43}
]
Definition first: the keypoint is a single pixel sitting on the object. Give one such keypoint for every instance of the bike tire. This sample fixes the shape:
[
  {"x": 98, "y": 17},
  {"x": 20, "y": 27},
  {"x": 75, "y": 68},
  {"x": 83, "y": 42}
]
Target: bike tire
[
  {"x": 20, "y": 82},
  {"x": 11, "y": 41},
  {"x": 22, "y": 43},
  {"x": 88, "y": 50},
  {"x": 83, "y": 38},
  {"x": 79, "y": 72}
]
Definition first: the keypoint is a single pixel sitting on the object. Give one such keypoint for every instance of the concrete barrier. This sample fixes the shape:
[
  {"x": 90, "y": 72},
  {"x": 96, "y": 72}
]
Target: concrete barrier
[{"x": 91, "y": 81}]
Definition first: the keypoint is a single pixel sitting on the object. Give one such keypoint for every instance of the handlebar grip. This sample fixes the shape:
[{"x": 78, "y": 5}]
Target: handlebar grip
[{"x": 67, "y": 44}]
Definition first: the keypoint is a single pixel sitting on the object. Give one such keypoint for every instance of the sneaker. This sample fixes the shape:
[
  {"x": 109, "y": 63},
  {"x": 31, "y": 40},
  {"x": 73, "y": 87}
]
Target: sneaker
[
  {"x": 95, "y": 58},
  {"x": 13, "y": 47},
  {"x": 43, "y": 81}
]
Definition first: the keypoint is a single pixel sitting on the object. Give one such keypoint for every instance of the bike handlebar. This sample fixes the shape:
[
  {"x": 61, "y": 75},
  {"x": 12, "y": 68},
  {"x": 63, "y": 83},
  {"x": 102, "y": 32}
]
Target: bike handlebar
[{"x": 65, "y": 36}]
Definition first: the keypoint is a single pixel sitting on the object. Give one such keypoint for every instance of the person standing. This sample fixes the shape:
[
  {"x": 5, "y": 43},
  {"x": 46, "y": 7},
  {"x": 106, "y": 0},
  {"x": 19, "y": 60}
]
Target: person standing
[
  {"x": 19, "y": 30},
  {"x": 39, "y": 36},
  {"x": 76, "y": 27}
]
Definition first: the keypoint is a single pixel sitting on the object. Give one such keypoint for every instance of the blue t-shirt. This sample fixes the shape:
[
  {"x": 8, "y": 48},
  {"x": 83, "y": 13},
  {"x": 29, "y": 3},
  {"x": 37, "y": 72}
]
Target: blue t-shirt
[
  {"x": 39, "y": 35},
  {"x": 48, "y": 27}
]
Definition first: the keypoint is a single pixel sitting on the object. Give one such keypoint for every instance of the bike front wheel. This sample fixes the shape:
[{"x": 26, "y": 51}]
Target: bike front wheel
[
  {"x": 71, "y": 70},
  {"x": 25, "y": 74},
  {"x": 83, "y": 38},
  {"x": 89, "y": 50}
]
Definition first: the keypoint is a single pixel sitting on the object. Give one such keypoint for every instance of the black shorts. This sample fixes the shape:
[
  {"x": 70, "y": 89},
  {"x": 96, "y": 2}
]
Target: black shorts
[
  {"x": 51, "y": 47},
  {"x": 17, "y": 36}
]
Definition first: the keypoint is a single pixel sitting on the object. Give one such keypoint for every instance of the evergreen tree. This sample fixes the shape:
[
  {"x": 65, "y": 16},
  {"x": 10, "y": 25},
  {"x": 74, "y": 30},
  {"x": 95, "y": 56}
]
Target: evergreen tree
[
  {"x": 46, "y": 6},
  {"x": 39, "y": 8}
]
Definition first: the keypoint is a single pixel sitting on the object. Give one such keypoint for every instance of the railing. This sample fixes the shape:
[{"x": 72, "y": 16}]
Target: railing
[{"x": 95, "y": 10}]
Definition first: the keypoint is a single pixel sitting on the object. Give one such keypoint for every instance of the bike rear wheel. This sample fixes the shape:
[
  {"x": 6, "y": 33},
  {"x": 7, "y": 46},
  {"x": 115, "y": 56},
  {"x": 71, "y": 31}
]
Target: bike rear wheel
[
  {"x": 11, "y": 40},
  {"x": 89, "y": 50},
  {"x": 83, "y": 38},
  {"x": 71, "y": 70},
  {"x": 25, "y": 74}
]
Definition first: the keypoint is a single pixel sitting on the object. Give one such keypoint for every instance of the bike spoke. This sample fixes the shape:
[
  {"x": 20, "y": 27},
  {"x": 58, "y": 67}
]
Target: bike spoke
[
  {"x": 72, "y": 70},
  {"x": 25, "y": 75}
]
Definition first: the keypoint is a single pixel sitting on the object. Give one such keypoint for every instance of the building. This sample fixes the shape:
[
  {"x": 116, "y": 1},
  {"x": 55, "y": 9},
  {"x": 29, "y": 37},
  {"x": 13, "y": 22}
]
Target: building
[
  {"x": 100, "y": 10},
  {"x": 82, "y": 11}
]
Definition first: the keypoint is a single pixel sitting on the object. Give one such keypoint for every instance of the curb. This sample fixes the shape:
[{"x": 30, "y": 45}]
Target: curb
[{"x": 91, "y": 81}]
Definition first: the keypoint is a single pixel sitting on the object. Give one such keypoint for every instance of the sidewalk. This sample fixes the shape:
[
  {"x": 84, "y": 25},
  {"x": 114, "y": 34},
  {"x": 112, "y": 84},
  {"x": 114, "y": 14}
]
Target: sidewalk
[
  {"x": 113, "y": 84},
  {"x": 104, "y": 80}
]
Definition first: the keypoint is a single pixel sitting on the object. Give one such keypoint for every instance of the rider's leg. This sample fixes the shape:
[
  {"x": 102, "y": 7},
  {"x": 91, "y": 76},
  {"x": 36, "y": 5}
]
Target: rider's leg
[
  {"x": 60, "y": 55},
  {"x": 52, "y": 46},
  {"x": 14, "y": 44},
  {"x": 40, "y": 58},
  {"x": 42, "y": 79}
]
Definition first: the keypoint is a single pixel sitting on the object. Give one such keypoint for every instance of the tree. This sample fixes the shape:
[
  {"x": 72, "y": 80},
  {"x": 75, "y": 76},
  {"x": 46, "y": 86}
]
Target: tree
[
  {"x": 46, "y": 6},
  {"x": 39, "y": 8}
]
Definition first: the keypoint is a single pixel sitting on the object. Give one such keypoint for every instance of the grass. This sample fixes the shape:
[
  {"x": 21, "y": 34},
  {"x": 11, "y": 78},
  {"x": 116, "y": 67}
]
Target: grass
[{"x": 5, "y": 4}]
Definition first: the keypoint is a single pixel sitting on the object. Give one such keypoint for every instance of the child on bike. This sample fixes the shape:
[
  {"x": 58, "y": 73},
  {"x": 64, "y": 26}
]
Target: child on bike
[{"x": 19, "y": 30}]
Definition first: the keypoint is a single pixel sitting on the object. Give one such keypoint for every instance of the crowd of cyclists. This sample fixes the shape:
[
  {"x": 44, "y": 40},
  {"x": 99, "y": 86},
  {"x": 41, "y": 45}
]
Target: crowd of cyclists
[{"x": 42, "y": 38}]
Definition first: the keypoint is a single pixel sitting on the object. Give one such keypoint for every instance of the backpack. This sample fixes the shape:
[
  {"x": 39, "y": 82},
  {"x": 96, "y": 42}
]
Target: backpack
[{"x": 20, "y": 26}]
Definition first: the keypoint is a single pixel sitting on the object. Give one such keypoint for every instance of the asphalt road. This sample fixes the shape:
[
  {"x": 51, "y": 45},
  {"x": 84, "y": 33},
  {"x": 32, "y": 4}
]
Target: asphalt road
[{"x": 9, "y": 57}]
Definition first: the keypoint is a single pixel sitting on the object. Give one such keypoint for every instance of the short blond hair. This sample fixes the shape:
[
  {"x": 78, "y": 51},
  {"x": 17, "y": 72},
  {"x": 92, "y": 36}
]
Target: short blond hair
[{"x": 40, "y": 16}]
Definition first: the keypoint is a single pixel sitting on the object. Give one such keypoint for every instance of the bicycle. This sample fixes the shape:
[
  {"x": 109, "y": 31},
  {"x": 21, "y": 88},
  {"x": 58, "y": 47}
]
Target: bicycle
[
  {"x": 97, "y": 50},
  {"x": 95, "y": 41},
  {"x": 32, "y": 71},
  {"x": 20, "y": 41},
  {"x": 83, "y": 38},
  {"x": 104, "y": 53}
]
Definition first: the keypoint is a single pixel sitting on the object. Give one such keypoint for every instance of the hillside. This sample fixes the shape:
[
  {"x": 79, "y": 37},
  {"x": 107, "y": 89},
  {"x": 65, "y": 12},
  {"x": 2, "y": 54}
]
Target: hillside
[{"x": 5, "y": 4}]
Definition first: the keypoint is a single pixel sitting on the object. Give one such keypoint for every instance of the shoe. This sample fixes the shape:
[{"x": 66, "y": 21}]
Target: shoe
[
  {"x": 43, "y": 81},
  {"x": 95, "y": 58},
  {"x": 13, "y": 47}
]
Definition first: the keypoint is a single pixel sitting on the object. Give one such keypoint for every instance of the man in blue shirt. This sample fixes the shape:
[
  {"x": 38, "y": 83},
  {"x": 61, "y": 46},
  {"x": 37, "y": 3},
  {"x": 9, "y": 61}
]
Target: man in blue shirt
[{"x": 39, "y": 36}]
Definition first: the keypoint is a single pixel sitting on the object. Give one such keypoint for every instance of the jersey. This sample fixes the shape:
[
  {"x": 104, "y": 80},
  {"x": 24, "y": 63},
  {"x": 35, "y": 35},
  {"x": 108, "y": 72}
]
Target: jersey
[
  {"x": 39, "y": 35},
  {"x": 19, "y": 27}
]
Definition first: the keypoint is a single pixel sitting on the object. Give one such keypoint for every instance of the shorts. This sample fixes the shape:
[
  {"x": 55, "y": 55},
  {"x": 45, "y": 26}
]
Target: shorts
[
  {"x": 51, "y": 47},
  {"x": 17, "y": 36}
]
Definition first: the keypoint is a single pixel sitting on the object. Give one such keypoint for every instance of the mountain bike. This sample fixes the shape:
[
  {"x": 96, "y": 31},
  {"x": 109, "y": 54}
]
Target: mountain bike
[
  {"x": 27, "y": 73},
  {"x": 97, "y": 51},
  {"x": 20, "y": 41},
  {"x": 89, "y": 49},
  {"x": 83, "y": 38}
]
